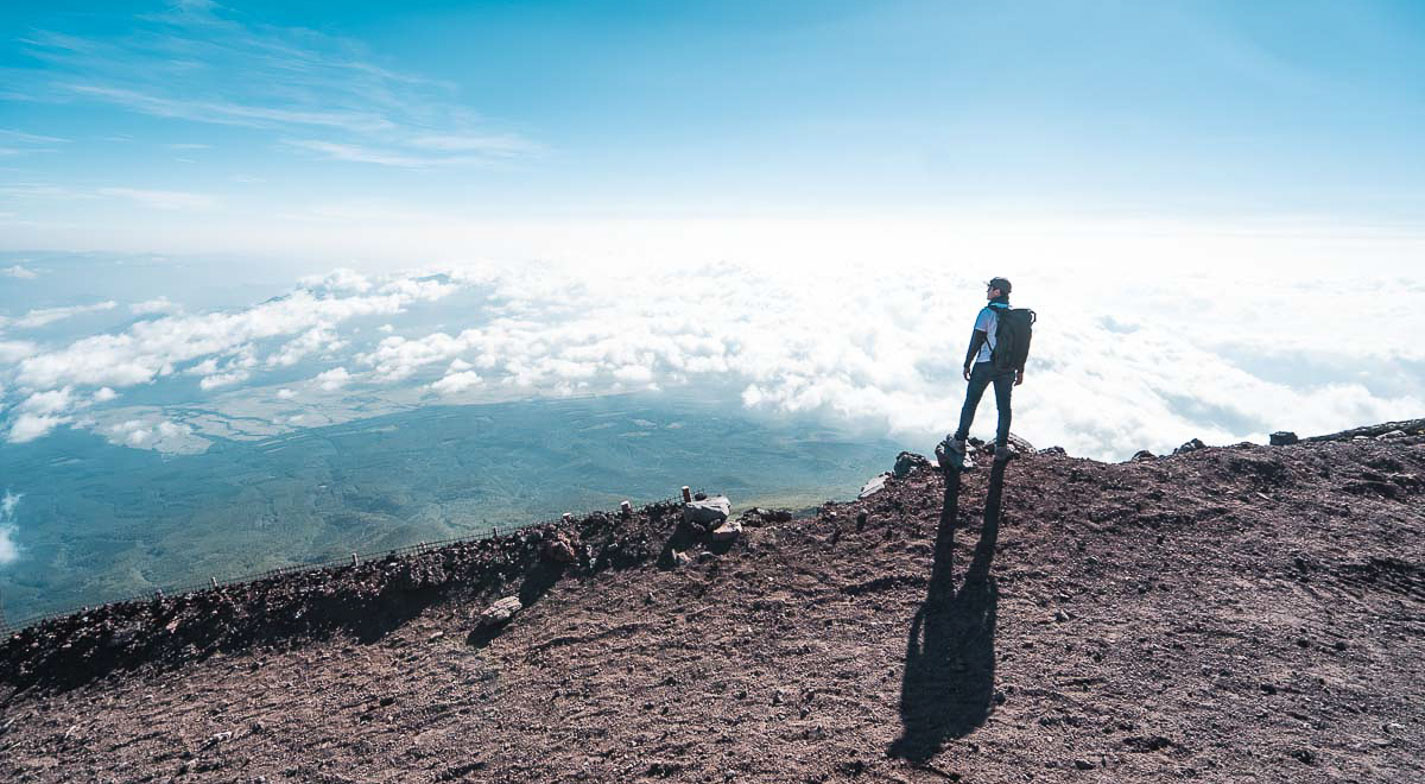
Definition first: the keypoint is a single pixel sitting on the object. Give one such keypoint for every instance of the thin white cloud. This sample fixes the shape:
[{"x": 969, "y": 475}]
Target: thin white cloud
[
  {"x": 358, "y": 153},
  {"x": 455, "y": 383},
  {"x": 17, "y": 143},
  {"x": 207, "y": 367},
  {"x": 150, "y": 433},
  {"x": 19, "y": 271},
  {"x": 339, "y": 281},
  {"x": 333, "y": 379},
  {"x": 150, "y": 349},
  {"x": 104, "y": 395},
  {"x": 203, "y": 64},
  {"x": 361, "y": 154},
  {"x": 54, "y": 401},
  {"x": 16, "y": 350},
  {"x": 8, "y": 504},
  {"x": 317, "y": 339},
  {"x": 153, "y": 306},
  {"x": 230, "y": 113},
  {"x": 28, "y": 427},
  {"x": 14, "y": 136},
  {"x": 9, "y": 549},
  {"x": 157, "y": 199},
  {"x": 498, "y": 146},
  {"x": 163, "y": 200},
  {"x": 228, "y": 379},
  {"x": 45, "y": 316}
]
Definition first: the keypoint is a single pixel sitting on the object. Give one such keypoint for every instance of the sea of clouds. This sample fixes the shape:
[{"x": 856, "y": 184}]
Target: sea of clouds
[{"x": 1143, "y": 342}]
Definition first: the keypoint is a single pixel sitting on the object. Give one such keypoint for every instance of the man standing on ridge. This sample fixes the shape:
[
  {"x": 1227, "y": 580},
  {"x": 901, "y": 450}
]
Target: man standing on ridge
[{"x": 981, "y": 370}]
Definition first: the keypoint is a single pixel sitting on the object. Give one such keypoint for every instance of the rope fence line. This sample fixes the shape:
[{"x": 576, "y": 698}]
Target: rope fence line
[{"x": 8, "y": 627}]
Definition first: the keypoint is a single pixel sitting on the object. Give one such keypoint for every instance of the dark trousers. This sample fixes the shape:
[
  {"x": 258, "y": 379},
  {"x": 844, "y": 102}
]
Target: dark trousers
[{"x": 980, "y": 377}]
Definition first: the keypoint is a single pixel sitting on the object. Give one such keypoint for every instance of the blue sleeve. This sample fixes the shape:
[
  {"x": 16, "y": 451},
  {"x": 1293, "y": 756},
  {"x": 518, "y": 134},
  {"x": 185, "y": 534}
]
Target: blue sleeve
[{"x": 982, "y": 321}]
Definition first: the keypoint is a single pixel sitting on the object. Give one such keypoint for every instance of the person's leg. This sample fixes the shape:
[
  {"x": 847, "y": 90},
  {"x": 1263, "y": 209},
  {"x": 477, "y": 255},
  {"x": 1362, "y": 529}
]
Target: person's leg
[
  {"x": 1004, "y": 386},
  {"x": 979, "y": 379}
]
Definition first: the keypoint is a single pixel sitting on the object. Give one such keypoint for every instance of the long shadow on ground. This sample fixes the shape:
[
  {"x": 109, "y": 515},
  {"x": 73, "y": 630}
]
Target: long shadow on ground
[{"x": 948, "y": 685}]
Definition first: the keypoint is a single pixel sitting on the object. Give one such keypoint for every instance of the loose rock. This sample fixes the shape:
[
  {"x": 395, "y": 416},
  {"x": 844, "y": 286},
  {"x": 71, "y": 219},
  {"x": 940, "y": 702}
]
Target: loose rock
[
  {"x": 501, "y": 612},
  {"x": 1191, "y": 445},
  {"x": 908, "y": 463},
  {"x": 559, "y": 550},
  {"x": 876, "y": 485},
  {"x": 727, "y": 532}
]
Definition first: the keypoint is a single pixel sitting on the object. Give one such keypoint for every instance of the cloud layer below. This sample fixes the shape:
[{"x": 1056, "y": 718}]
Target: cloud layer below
[{"x": 1120, "y": 362}]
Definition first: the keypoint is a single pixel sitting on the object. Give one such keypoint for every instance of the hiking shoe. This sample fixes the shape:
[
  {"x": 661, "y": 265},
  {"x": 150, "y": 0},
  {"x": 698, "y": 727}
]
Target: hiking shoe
[
  {"x": 1003, "y": 454},
  {"x": 950, "y": 453}
]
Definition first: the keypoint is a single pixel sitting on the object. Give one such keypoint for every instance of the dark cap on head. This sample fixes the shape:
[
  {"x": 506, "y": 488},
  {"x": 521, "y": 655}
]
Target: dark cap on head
[{"x": 1000, "y": 283}]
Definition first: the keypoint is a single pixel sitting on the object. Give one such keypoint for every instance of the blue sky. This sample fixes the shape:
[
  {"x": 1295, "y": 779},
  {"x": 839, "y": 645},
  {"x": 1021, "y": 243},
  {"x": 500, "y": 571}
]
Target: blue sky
[
  {"x": 240, "y": 209},
  {"x": 197, "y": 123}
]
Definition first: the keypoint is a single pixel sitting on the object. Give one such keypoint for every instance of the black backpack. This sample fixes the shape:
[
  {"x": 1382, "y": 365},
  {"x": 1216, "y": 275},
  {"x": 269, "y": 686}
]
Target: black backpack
[{"x": 1012, "y": 335}]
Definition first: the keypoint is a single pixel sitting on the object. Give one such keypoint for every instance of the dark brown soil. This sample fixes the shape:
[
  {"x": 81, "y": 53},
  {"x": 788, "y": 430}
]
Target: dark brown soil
[{"x": 1228, "y": 614}]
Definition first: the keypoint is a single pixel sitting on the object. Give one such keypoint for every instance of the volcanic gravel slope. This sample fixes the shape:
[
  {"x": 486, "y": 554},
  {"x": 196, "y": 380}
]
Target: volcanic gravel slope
[{"x": 1228, "y": 614}]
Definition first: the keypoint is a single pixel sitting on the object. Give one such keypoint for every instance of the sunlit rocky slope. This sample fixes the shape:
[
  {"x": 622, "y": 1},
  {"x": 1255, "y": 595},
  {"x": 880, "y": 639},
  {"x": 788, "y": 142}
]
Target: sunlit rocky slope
[{"x": 1244, "y": 613}]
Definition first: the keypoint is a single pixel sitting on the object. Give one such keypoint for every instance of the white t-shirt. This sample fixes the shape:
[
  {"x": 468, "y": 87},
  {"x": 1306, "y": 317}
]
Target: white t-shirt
[{"x": 988, "y": 322}]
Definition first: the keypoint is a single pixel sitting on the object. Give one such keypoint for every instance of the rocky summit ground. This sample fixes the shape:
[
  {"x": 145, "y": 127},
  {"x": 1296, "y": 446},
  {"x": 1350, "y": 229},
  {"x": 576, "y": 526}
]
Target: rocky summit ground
[{"x": 1227, "y": 614}]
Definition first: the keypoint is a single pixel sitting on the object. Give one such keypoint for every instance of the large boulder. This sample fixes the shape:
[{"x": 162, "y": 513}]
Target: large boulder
[
  {"x": 501, "y": 612},
  {"x": 707, "y": 513},
  {"x": 1283, "y": 438}
]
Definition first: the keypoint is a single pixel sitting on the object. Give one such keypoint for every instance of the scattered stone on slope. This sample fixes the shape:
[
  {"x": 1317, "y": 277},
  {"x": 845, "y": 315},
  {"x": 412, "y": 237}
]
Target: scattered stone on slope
[
  {"x": 558, "y": 549},
  {"x": 501, "y": 612},
  {"x": 908, "y": 463},
  {"x": 876, "y": 485},
  {"x": 1283, "y": 438},
  {"x": 727, "y": 532},
  {"x": 1191, "y": 445},
  {"x": 1020, "y": 445}
]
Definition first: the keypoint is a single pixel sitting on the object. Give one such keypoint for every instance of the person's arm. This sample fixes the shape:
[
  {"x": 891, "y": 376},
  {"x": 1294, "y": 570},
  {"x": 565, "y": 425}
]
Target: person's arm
[{"x": 977, "y": 338}]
